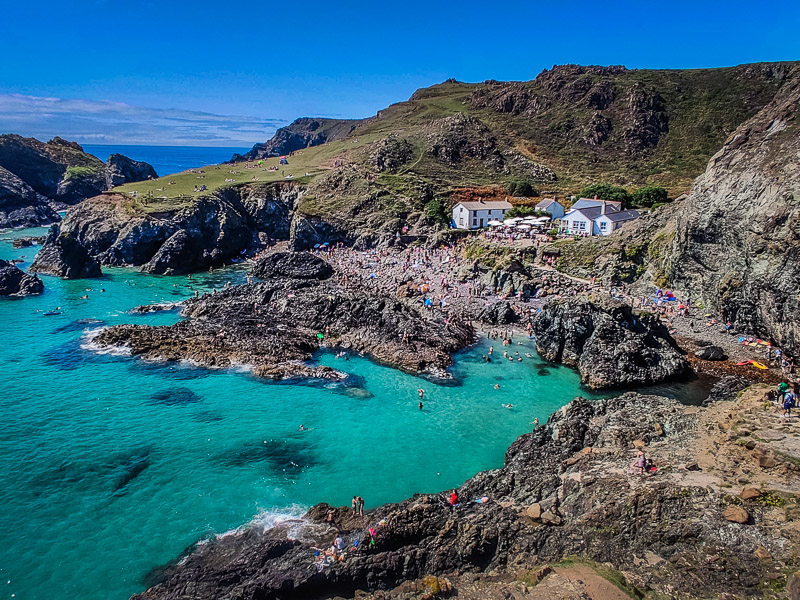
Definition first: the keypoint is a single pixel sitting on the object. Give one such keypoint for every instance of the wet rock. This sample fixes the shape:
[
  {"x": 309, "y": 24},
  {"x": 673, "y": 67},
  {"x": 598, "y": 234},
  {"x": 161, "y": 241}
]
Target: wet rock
[
  {"x": 63, "y": 255},
  {"x": 15, "y": 282},
  {"x": 736, "y": 514},
  {"x": 608, "y": 344}
]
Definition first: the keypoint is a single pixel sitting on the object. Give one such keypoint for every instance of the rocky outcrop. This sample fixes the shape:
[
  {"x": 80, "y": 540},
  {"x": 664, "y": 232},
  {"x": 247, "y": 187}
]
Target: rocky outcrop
[
  {"x": 275, "y": 326},
  {"x": 21, "y": 205},
  {"x": 16, "y": 282},
  {"x": 565, "y": 489},
  {"x": 736, "y": 246},
  {"x": 391, "y": 153},
  {"x": 220, "y": 227},
  {"x": 63, "y": 255},
  {"x": 608, "y": 344},
  {"x": 302, "y": 133},
  {"x": 295, "y": 265},
  {"x": 121, "y": 169}
]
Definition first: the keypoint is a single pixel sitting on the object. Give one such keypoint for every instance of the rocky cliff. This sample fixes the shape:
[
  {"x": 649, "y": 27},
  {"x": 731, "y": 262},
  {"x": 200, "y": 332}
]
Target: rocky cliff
[
  {"x": 35, "y": 174},
  {"x": 212, "y": 230},
  {"x": 608, "y": 343},
  {"x": 566, "y": 489},
  {"x": 16, "y": 282},
  {"x": 63, "y": 255}
]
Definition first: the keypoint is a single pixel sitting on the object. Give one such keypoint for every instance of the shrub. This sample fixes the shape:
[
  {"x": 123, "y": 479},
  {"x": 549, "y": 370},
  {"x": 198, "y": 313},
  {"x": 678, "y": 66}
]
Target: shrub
[
  {"x": 521, "y": 211},
  {"x": 649, "y": 195},
  {"x": 79, "y": 172},
  {"x": 435, "y": 210},
  {"x": 521, "y": 188}
]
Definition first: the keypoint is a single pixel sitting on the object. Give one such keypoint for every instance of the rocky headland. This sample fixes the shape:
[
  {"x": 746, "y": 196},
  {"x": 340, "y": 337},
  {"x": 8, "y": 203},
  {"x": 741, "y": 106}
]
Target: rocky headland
[
  {"x": 38, "y": 177},
  {"x": 16, "y": 282},
  {"x": 716, "y": 517}
]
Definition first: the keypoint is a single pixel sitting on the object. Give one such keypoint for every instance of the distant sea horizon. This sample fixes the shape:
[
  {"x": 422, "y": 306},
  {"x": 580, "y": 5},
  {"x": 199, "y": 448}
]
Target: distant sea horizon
[{"x": 167, "y": 160}]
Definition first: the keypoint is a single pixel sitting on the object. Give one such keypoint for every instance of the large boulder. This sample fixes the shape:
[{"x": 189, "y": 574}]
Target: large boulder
[
  {"x": 121, "y": 169},
  {"x": 64, "y": 255},
  {"x": 608, "y": 344},
  {"x": 297, "y": 265},
  {"x": 16, "y": 282}
]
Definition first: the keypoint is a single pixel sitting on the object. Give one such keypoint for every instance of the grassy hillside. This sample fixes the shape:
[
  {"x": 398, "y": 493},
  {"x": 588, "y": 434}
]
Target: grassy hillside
[{"x": 570, "y": 126}]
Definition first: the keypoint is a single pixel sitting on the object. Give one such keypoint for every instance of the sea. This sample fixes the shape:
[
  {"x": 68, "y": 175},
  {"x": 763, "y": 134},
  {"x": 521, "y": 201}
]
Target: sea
[
  {"x": 167, "y": 160},
  {"x": 113, "y": 466}
]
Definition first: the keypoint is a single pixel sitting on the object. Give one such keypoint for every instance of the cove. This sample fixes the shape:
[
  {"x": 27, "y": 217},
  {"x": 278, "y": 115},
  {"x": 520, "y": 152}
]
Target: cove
[{"x": 113, "y": 465}]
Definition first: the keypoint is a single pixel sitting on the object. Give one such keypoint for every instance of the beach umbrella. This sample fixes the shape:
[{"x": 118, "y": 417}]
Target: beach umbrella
[
  {"x": 494, "y": 223},
  {"x": 523, "y": 227}
]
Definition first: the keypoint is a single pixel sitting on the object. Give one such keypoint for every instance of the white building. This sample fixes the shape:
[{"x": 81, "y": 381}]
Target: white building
[
  {"x": 599, "y": 218},
  {"x": 476, "y": 215},
  {"x": 551, "y": 206}
]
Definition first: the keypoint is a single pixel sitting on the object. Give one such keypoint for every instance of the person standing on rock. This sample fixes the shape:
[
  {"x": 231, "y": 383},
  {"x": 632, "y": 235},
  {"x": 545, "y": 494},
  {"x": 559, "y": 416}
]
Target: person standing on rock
[
  {"x": 360, "y": 506},
  {"x": 354, "y": 504},
  {"x": 641, "y": 462}
]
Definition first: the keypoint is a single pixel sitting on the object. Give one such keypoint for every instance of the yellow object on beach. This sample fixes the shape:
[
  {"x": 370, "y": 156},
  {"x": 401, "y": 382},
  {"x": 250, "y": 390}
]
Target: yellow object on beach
[{"x": 758, "y": 365}]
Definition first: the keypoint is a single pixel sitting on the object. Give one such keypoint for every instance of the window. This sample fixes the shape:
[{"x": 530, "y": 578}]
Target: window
[{"x": 603, "y": 225}]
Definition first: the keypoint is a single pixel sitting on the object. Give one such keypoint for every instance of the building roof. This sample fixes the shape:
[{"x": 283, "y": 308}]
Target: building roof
[
  {"x": 590, "y": 213},
  {"x": 547, "y": 202},
  {"x": 591, "y": 202},
  {"x": 623, "y": 215},
  {"x": 488, "y": 205}
]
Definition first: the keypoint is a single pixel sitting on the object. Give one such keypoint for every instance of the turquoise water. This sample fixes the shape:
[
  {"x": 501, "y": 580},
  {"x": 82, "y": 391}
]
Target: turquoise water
[
  {"x": 167, "y": 159},
  {"x": 112, "y": 465}
]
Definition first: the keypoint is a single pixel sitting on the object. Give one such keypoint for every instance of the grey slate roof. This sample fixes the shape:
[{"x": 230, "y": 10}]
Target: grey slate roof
[
  {"x": 624, "y": 215},
  {"x": 491, "y": 205}
]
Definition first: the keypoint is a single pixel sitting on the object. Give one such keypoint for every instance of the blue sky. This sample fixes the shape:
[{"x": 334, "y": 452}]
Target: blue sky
[{"x": 229, "y": 73}]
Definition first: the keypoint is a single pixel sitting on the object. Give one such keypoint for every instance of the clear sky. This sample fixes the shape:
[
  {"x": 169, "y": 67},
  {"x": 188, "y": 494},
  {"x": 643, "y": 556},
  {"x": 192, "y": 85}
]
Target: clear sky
[{"x": 229, "y": 72}]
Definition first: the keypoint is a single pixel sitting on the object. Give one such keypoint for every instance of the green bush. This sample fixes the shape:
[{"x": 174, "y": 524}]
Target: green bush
[
  {"x": 606, "y": 191},
  {"x": 521, "y": 211},
  {"x": 521, "y": 188},
  {"x": 435, "y": 210},
  {"x": 79, "y": 172},
  {"x": 650, "y": 195}
]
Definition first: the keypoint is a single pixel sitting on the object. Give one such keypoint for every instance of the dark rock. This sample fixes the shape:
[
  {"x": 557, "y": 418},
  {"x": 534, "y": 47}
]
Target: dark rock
[
  {"x": 391, "y": 153},
  {"x": 63, "y": 255},
  {"x": 710, "y": 353},
  {"x": 21, "y": 205},
  {"x": 296, "y": 265},
  {"x": 727, "y": 389},
  {"x": 27, "y": 242},
  {"x": 608, "y": 344},
  {"x": 15, "y": 282},
  {"x": 121, "y": 169},
  {"x": 302, "y": 133},
  {"x": 499, "y": 313}
]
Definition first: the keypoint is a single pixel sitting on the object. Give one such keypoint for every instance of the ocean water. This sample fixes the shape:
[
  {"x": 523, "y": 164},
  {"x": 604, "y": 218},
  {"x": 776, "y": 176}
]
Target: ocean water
[
  {"x": 167, "y": 159},
  {"x": 113, "y": 465}
]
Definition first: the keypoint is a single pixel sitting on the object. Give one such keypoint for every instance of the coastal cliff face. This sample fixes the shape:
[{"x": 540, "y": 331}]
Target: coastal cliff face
[
  {"x": 736, "y": 246},
  {"x": 608, "y": 344},
  {"x": 275, "y": 326},
  {"x": 566, "y": 490},
  {"x": 214, "y": 229},
  {"x": 35, "y": 175},
  {"x": 16, "y": 282}
]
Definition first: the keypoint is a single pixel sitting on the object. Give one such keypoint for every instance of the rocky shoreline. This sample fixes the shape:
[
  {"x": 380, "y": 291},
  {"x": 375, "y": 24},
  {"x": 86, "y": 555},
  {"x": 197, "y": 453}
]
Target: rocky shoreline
[{"x": 696, "y": 527}]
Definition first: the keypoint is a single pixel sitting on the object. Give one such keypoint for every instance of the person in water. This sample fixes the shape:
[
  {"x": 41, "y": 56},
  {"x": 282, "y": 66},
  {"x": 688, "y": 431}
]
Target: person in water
[
  {"x": 420, "y": 405},
  {"x": 302, "y": 427},
  {"x": 421, "y": 393}
]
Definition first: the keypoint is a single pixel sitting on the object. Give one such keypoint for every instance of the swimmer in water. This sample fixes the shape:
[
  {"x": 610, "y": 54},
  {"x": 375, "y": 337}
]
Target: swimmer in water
[
  {"x": 497, "y": 386},
  {"x": 421, "y": 393},
  {"x": 420, "y": 405},
  {"x": 508, "y": 406},
  {"x": 302, "y": 427},
  {"x": 85, "y": 297}
]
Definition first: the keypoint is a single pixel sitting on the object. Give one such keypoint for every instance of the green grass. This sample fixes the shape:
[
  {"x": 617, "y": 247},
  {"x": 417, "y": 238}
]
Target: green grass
[{"x": 76, "y": 172}]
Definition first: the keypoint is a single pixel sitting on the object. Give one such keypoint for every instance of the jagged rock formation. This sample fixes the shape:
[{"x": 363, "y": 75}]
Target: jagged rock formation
[
  {"x": 302, "y": 133},
  {"x": 16, "y": 282},
  {"x": 34, "y": 175},
  {"x": 63, "y": 255},
  {"x": 736, "y": 246},
  {"x": 121, "y": 169},
  {"x": 608, "y": 344},
  {"x": 215, "y": 229},
  {"x": 565, "y": 489},
  {"x": 21, "y": 205},
  {"x": 275, "y": 326}
]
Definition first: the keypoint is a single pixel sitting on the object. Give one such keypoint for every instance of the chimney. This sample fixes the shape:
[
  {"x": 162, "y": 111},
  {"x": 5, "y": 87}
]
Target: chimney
[
  {"x": 603, "y": 207},
  {"x": 595, "y": 196}
]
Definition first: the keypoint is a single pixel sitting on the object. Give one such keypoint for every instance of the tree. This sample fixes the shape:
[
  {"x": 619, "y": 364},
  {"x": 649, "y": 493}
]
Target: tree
[
  {"x": 521, "y": 188},
  {"x": 650, "y": 195},
  {"x": 435, "y": 210},
  {"x": 606, "y": 191}
]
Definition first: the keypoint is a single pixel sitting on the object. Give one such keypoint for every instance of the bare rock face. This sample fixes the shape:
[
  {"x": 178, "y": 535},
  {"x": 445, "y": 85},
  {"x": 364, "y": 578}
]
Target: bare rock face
[
  {"x": 64, "y": 255},
  {"x": 608, "y": 344},
  {"x": 121, "y": 169},
  {"x": 302, "y": 133},
  {"x": 15, "y": 282},
  {"x": 736, "y": 246},
  {"x": 297, "y": 265},
  {"x": 21, "y": 205}
]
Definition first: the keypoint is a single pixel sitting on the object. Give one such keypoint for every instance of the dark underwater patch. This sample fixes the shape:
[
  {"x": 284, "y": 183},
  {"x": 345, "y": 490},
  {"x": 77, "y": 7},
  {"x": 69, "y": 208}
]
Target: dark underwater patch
[
  {"x": 70, "y": 356},
  {"x": 169, "y": 370},
  {"x": 284, "y": 457},
  {"x": 179, "y": 396},
  {"x": 542, "y": 372},
  {"x": 79, "y": 325},
  {"x": 128, "y": 469},
  {"x": 207, "y": 416}
]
